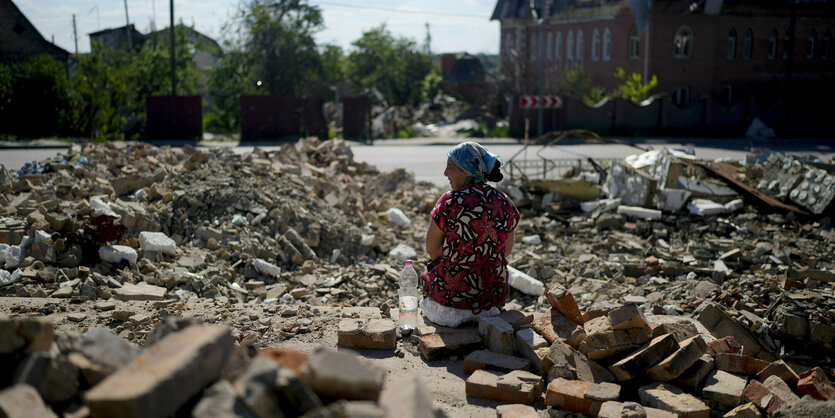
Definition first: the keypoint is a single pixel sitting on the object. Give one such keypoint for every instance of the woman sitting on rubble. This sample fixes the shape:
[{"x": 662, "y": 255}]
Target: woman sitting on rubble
[{"x": 470, "y": 235}]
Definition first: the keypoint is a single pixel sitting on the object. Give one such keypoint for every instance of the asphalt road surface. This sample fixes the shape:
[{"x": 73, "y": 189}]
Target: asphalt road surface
[{"x": 426, "y": 158}]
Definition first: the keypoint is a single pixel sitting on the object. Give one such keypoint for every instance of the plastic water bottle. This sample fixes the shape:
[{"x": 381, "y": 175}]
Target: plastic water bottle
[{"x": 408, "y": 298}]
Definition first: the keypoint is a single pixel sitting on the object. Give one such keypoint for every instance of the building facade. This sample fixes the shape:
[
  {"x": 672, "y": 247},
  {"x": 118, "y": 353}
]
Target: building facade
[
  {"x": 19, "y": 40},
  {"x": 730, "y": 50}
]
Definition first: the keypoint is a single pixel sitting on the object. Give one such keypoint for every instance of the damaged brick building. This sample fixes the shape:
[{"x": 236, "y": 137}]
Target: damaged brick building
[{"x": 726, "y": 62}]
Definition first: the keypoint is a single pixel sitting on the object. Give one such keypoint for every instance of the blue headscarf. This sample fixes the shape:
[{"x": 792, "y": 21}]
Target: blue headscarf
[{"x": 474, "y": 159}]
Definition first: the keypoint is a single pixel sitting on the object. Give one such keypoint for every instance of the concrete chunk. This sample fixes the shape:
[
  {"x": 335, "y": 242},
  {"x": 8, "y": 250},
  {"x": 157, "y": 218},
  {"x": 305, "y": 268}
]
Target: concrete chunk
[
  {"x": 341, "y": 375},
  {"x": 639, "y": 212},
  {"x": 689, "y": 352},
  {"x": 164, "y": 376},
  {"x": 497, "y": 334},
  {"x": 25, "y": 335},
  {"x": 724, "y": 390},
  {"x": 647, "y": 356},
  {"x": 408, "y": 397},
  {"x": 778, "y": 387},
  {"x": 483, "y": 359},
  {"x": 268, "y": 389},
  {"x": 104, "y": 348},
  {"x": 141, "y": 291},
  {"x": 614, "y": 409},
  {"x": 692, "y": 378},
  {"x": 23, "y": 401},
  {"x": 377, "y": 334},
  {"x": 528, "y": 345},
  {"x": 449, "y": 343},
  {"x": 573, "y": 365},
  {"x": 516, "y": 387},
  {"x": 670, "y": 398},
  {"x": 747, "y": 410},
  {"x": 516, "y": 411},
  {"x": 738, "y": 363},
  {"x": 117, "y": 254}
]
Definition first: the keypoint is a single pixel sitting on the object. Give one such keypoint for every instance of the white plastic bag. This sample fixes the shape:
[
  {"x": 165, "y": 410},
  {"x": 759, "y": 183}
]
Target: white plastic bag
[{"x": 451, "y": 317}]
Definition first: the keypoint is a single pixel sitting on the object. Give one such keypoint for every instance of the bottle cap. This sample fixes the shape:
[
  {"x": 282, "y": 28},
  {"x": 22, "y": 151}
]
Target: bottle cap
[{"x": 408, "y": 262}]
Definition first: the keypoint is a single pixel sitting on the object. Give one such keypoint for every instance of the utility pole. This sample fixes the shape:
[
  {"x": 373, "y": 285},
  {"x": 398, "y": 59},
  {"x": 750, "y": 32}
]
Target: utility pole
[
  {"x": 153, "y": 16},
  {"x": 75, "y": 34},
  {"x": 171, "y": 37},
  {"x": 127, "y": 26}
]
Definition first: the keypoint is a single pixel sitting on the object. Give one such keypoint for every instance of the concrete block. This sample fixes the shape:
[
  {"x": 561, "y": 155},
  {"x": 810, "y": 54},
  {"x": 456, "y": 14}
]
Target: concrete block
[
  {"x": 639, "y": 212},
  {"x": 723, "y": 345},
  {"x": 670, "y": 398},
  {"x": 723, "y": 390},
  {"x": 761, "y": 396},
  {"x": 164, "y": 376},
  {"x": 517, "y": 319},
  {"x": 516, "y": 411},
  {"x": 602, "y": 342},
  {"x": 680, "y": 330},
  {"x": 705, "y": 207},
  {"x": 528, "y": 344},
  {"x": 105, "y": 349},
  {"x": 671, "y": 200},
  {"x": 483, "y": 359},
  {"x": 781, "y": 369},
  {"x": 554, "y": 326},
  {"x": 342, "y": 375},
  {"x": 574, "y": 365},
  {"x": 515, "y": 387},
  {"x": 219, "y": 400},
  {"x": 628, "y": 316},
  {"x": 692, "y": 378},
  {"x": 25, "y": 335},
  {"x": 140, "y": 291},
  {"x": 562, "y": 300},
  {"x": 23, "y": 401},
  {"x": 449, "y": 343},
  {"x": 378, "y": 334},
  {"x": 157, "y": 242},
  {"x": 747, "y": 410},
  {"x": 647, "y": 356},
  {"x": 117, "y": 254},
  {"x": 815, "y": 383},
  {"x": 739, "y": 363},
  {"x": 689, "y": 352},
  {"x": 55, "y": 379},
  {"x": 407, "y": 397},
  {"x": 497, "y": 334},
  {"x": 268, "y": 389}
]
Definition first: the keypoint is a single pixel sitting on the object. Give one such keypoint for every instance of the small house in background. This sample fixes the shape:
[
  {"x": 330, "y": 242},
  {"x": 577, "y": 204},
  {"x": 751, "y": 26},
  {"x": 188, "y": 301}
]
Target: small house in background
[
  {"x": 206, "y": 50},
  {"x": 20, "y": 40},
  {"x": 463, "y": 76},
  {"x": 116, "y": 38}
]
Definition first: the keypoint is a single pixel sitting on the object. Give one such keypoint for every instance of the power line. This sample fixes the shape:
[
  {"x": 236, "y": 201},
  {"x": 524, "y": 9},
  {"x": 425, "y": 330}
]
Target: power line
[{"x": 385, "y": 9}]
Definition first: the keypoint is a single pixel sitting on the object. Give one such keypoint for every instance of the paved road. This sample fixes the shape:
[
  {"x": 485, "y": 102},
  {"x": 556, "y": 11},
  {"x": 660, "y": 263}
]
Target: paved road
[{"x": 427, "y": 157}]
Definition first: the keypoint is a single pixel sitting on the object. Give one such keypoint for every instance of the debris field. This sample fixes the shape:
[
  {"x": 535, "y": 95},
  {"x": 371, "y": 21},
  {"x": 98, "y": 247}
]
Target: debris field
[{"x": 154, "y": 281}]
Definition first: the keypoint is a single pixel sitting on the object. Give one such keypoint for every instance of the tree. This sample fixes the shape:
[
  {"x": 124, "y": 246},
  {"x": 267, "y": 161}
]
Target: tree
[
  {"x": 633, "y": 87},
  {"x": 36, "y": 88},
  {"x": 396, "y": 67}
]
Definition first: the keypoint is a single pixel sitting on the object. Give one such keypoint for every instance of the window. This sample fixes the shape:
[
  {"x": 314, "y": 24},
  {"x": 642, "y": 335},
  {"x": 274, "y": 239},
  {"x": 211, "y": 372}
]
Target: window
[
  {"x": 559, "y": 46},
  {"x": 508, "y": 45},
  {"x": 549, "y": 51},
  {"x": 825, "y": 44},
  {"x": 580, "y": 45},
  {"x": 634, "y": 44},
  {"x": 786, "y": 43},
  {"x": 772, "y": 45},
  {"x": 810, "y": 44},
  {"x": 732, "y": 44},
  {"x": 607, "y": 45},
  {"x": 727, "y": 94},
  {"x": 681, "y": 96},
  {"x": 533, "y": 47},
  {"x": 595, "y": 46},
  {"x": 747, "y": 44},
  {"x": 683, "y": 43},
  {"x": 569, "y": 46}
]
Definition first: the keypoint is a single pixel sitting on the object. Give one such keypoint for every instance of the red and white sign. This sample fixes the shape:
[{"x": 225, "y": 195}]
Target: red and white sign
[{"x": 535, "y": 102}]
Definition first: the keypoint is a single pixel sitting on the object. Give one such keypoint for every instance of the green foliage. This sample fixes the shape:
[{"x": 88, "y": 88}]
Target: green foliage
[
  {"x": 431, "y": 86},
  {"x": 394, "y": 66},
  {"x": 35, "y": 89},
  {"x": 408, "y": 132},
  {"x": 575, "y": 84},
  {"x": 231, "y": 77},
  {"x": 633, "y": 87}
]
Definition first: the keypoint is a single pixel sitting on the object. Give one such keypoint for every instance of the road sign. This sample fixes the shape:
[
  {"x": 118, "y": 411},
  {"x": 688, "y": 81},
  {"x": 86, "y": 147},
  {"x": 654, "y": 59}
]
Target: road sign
[{"x": 534, "y": 102}]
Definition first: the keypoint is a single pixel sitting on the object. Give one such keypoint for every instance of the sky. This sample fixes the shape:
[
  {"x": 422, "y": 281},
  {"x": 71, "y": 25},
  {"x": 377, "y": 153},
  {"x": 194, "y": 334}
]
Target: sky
[{"x": 454, "y": 25}]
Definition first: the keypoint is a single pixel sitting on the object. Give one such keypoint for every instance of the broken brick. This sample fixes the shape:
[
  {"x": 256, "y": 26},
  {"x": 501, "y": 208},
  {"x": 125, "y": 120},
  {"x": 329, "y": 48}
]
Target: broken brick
[
  {"x": 781, "y": 369},
  {"x": 761, "y": 396},
  {"x": 738, "y": 363},
  {"x": 723, "y": 390},
  {"x": 562, "y": 300},
  {"x": 483, "y": 359},
  {"x": 670, "y": 398},
  {"x": 516, "y": 387},
  {"x": 689, "y": 352},
  {"x": 651, "y": 354},
  {"x": 628, "y": 316},
  {"x": 377, "y": 334},
  {"x": 815, "y": 383},
  {"x": 497, "y": 334},
  {"x": 449, "y": 343},
  {"x": 723, "y": 345},
  {"x": 602, "y": 342},
  {"x": 555, "y": 326}
]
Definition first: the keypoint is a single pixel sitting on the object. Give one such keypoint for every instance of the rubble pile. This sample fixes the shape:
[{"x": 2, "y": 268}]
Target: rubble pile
[
  {"x": 674, "y": 285},
  {"x": 442, "y": 116}
]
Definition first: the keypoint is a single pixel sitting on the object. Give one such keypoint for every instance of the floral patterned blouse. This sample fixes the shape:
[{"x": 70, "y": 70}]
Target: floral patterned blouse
[{"x": 471, "y": 272}]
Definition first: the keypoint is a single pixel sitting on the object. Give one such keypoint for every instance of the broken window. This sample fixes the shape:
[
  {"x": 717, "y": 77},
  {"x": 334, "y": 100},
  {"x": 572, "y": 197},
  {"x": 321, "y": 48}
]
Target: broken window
[
  {"x": 569, "y": 46},
  {"x": 595, "y": 46},
  {"x": 772, "y": 45},
  {"x": 732, "y": 44},
  {"x": 508, "y": 45},
  {"x": 810, "y": 44},
  {"x": 634, "y": 44},
  {"x": 683, "y": 43},
  {"x": 681, "y": 96},
  {"x": 607, "y": 45},
  {"x": 748, "y": 44}
]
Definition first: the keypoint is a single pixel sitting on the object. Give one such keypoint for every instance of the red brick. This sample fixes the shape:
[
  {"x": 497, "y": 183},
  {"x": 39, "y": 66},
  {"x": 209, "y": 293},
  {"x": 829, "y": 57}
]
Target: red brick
[
  {"x": 780, "y": 369},
  {"x": 723, "y": 345},
  {"x": 628, "y": 316},
  {"x": 670, "y": 398},
  {"x": 449, "y": 343},
  {"x": 568, "y": 395},
  {"x": 723, "y": 390},
  {"x": 762, "y": 397},
  {"x": 483, "y": 359},
  {"x": 515, "y": 387},
  {"x": 291, "y": 359},
  {"x": 516, "y": 411},
  {"x": 562, "y": 300},
  {"x": 376, "y": 334},
  {"x": 688, "y": 354},
  {"x": 556, "y": 326},
  {"x": 815, "y": 383},
  {"x": 603, "y": 342},
  {"x": 739, "y": 363},
  {"x": 638, "y": 362},
  {"x": 517, "y": 319}
]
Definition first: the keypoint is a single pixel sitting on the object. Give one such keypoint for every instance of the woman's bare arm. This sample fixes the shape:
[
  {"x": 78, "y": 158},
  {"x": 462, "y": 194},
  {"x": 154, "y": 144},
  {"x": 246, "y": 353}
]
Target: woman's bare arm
[
  {"x": 508, "y": 245},
  {"x": 434, "y": 241}
]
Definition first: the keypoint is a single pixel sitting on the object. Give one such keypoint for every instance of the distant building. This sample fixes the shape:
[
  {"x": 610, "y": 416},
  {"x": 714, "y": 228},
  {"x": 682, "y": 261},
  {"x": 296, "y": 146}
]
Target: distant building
[
  {"x": 206, "y": 50},
  {"x": 463, "y": 76},
  {"x": 20, "y": 40},
  {"x": 730, "y": 50},
  {"x": 117, "y": 38}
]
